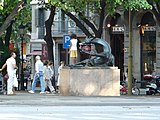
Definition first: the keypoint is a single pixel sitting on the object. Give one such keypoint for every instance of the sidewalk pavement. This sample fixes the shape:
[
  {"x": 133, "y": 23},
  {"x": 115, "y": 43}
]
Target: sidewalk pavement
[{"x": 25, "y": 98}]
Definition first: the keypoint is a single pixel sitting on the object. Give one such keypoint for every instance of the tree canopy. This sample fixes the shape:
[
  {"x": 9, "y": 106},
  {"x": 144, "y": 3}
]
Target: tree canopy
[
  {"x": 12, "y": 14},
  {"x": 16, "y": 12},
  {"x": 77, "y": 11}
]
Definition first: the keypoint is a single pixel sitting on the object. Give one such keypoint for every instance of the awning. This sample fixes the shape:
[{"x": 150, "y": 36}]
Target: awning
[{"x": 36, "y": 52}]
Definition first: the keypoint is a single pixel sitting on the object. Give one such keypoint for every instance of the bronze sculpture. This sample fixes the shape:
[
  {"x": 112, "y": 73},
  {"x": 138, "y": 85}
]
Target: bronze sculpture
[{"x": 100, "y": 56}]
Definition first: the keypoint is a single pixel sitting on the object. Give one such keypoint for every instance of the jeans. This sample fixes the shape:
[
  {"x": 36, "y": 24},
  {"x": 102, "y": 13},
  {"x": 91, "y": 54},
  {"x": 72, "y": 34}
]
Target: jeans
[
  {"x": 48, "y": 83},
  {"x": 40, "y": 77}
]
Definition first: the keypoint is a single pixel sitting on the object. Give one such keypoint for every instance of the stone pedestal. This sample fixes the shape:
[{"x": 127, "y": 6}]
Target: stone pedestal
[{"x": 90, "y": 81}]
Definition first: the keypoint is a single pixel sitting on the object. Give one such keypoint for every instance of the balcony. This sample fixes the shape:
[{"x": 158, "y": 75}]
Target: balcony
[{"x": 60, "y": 28}]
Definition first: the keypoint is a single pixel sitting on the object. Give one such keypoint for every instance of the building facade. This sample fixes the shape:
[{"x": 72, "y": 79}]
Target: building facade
[
  {"x": 145, "y": 38},
  {"x": 62, "y": 26},
  {"x": 145, "y": 42}
]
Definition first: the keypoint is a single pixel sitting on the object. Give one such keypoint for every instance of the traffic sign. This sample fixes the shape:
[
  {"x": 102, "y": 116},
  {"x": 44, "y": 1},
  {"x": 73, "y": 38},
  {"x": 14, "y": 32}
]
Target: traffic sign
[{"x": 66, "y": 41}]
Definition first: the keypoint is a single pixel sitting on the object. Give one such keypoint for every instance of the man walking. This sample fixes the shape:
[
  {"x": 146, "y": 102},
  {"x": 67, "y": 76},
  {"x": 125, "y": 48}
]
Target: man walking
[
  {"x": 38, "y": 75},
  {"x": 11, "y": 71}
]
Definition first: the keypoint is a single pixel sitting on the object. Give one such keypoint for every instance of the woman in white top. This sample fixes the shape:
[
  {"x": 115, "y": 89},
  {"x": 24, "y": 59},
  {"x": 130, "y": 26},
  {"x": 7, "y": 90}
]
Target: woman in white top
[{"x": 73, "y": 49}]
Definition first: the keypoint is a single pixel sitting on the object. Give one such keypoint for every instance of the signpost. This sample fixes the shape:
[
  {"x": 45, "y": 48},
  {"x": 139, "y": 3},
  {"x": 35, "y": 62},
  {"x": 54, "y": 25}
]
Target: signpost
[
  {"x": 66, "y": 41},
  {"x": 66, "y": 45},
  {"x": 44, "y": 52}
]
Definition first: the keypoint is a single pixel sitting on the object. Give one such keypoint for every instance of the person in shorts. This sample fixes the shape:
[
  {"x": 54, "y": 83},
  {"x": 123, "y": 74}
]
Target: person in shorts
[{"x": 73, "y": 49}]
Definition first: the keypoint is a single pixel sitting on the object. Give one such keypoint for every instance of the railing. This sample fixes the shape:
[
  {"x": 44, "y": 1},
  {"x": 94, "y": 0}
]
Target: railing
[
  {"x": 65, "y": 27},
  {"x": 60, "y": 28},
  {"x": 64, "y": 31}
]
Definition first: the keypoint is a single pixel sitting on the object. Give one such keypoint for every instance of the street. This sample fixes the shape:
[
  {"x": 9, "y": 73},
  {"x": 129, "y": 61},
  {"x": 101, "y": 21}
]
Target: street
[{"x": 25, "y": 106}]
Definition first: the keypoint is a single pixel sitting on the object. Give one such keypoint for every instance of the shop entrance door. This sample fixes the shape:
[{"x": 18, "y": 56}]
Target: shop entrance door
[
  {"x": 117, "y": 46},
  {"x": 63, "y": 56}
]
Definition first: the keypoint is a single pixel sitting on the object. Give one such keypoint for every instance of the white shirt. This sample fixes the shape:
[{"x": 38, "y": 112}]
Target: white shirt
[
  {"x": 10, "y": 62},
  {"x": 48, "y": 73},
  {"x": 74, "y": 44},
  {"x": 39, "y": 66},
  {"x": 59, "y": 69}
]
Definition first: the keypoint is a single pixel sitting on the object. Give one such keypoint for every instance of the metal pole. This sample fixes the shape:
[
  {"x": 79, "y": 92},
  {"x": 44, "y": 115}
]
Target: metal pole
[
  {"x": 67, "y": 63},
  {"x": 130, "y": 57},
  {"x": 22, "y": 73},
  {"x": 141, "y": 55}
]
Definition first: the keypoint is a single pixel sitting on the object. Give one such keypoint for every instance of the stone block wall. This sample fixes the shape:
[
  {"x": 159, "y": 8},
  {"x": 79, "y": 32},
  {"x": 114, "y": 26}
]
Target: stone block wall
[{"x": 90, "y": 81}]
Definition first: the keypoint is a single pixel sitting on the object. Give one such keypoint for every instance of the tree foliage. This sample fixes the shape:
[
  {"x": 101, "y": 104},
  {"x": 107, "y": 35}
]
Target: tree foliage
[
  {"x": 9, "y": 10},
  {"x": 12, "y": 14},
  {"x": 76, "y": 10}
]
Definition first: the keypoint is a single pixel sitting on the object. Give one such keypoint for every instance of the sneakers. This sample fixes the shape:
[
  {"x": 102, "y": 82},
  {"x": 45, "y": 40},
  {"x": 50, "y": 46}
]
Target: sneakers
[
  {"x": 14, "y": 91},
  {"x": 53, "y": 92},
  {"x": 10, "y": 94},
  {"x": 42, "y": 93},
  {"x": 31, "y": 91},
  {"x": 47, "y": 92}
]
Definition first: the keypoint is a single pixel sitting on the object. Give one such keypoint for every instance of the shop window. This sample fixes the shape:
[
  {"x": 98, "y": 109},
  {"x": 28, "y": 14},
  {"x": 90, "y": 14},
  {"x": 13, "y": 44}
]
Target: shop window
[{"x": 149, "y": 52}]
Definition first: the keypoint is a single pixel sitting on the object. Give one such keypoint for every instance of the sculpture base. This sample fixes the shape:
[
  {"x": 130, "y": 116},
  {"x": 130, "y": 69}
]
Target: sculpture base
[{"x": 90, "y": 81}]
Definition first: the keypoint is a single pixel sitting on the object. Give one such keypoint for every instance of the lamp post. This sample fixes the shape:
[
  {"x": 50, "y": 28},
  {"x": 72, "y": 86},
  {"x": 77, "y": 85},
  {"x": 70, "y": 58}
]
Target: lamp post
[
  {"x": 130, "y": 56},
  {"x": 141, "y": 32},
  {"x": 21, "y": 29}
]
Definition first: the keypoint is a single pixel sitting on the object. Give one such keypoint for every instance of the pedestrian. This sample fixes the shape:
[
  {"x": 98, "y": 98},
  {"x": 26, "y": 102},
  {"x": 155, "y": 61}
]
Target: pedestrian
[
  {"x": 48, "y": 74},
  {"x": 73, "y": 49},
  {"x": 126, "y": 77},
  {"x": 53, "y": 81},
  {"x": 59, "y": 70},
  {"x": 11, "y": 71},
  {"x": 38, "y": 75}
]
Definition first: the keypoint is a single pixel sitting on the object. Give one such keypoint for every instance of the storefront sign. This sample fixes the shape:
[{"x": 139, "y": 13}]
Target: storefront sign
[
  {"x": 117, "y": 30},
  {"x": 149, "y": 28}
]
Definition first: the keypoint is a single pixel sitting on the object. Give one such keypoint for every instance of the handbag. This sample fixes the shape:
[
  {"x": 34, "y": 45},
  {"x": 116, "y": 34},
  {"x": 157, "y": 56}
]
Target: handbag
[{"x": 6, "y": 77}]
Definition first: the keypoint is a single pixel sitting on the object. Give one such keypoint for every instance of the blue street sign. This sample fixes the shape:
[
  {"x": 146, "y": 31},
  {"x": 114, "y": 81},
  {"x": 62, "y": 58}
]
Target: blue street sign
[{"x": 66, "y": 41}]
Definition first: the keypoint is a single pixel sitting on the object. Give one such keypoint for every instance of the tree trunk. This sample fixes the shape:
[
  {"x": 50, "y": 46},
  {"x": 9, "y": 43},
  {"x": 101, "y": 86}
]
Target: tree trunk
[
  {"x": 157, "y": 15},
  {"x": 79, "y": 24},
  {"x": 9, "y": 19},
  {"x": 48, "y": 36},
  {"x": 89, "y": 23},
  {"x": 102, "y": 15},
  {"x": 97, "y": 32},
  {"x": 8, "y": 34}
]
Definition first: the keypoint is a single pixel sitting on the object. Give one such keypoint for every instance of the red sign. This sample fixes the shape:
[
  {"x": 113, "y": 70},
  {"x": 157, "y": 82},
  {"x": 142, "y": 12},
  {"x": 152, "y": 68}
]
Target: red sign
[
  {"x": 86, "y": 48},
  {"x": 44, "y": 52},
  {"x": 11, "y": 46}
]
